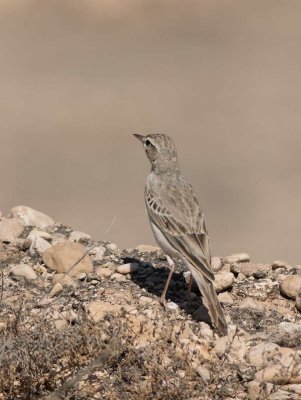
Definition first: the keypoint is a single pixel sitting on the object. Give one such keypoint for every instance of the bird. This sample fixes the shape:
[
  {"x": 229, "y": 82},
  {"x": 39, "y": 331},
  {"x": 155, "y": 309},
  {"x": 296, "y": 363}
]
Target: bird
[{"x": 178, "y": 222}]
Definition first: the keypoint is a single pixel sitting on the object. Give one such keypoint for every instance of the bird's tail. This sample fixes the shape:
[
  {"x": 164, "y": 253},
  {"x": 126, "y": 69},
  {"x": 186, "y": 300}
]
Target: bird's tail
[{"x": 210, "y": 300}]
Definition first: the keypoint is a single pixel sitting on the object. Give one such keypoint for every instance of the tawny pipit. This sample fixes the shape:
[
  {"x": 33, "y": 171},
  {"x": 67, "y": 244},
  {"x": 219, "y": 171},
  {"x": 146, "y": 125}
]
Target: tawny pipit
[{"x": 178, "y": 222}]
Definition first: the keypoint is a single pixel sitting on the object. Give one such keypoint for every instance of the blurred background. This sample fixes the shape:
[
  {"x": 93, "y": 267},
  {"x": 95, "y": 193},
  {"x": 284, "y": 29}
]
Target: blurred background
[{"x": 222, "y": 77}]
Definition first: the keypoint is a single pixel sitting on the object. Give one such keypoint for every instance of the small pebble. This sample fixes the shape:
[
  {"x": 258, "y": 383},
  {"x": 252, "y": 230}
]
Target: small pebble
[
  {"x": 56, "y": 290},
  {"x": 127, "y": 268},
  {"x": 118, "y": 277}
]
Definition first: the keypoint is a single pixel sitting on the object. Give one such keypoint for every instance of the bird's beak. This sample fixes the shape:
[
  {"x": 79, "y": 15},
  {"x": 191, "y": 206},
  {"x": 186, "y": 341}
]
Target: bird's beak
[{"x": 139, "y": 137}]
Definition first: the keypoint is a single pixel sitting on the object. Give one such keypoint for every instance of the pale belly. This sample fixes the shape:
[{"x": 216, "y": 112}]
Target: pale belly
[{"x": 163, "y": 243}]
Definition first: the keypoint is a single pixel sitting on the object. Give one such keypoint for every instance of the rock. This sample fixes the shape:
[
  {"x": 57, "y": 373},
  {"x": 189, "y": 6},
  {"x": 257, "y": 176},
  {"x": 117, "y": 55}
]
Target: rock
[
  {"x": 280, "y": 374},
  {"x": 234, "y": 346},
  {"x": 146, "y": 248},
  {"x": 280, "y": 264},
  {"x": 36, "y": 233},
  {"x": 98, "y": 253},
  {"x": 127, "y": 268},
  {"x": 81, "y": 276},
  {"x": 10, "y": 229},
  {"x": 260, "y": 290},
  {"x": 22, "y": 244},
  {"x": 24, "y": 270},
  {"x": 216, "y": 264},
  {"x": 237, "y": 258},
  {"x": 291, "y": 285},
  {"x": 225, "y": 298},
  {"x": 75, "y": 236},
  {"x": 260, "y": 355},
  {"x": 252, "y": 304},
  {"x": 70, "y": 316},
  {"x": 38, "y": 245},
  {"x": 118, "y": 277},
  {"x": 113, "y": 247},
  {"x": 298, "y": 301},
  {"x": 171, "y": 306},
  {"x": 56, "y": 290},
  {"x": 258, "y": 390},
  {"x": 64, "y": 279},
  {"x": 204, "y": 373},
  {"x": 29, "y": 216},
  {"x": 104, "y": 272},
  {"x": 63, "y": 256},
  {"x": 145, "y": 300},
  {"x": 287, "y": 334},
  {"x": 223, "y": 281},
  {"x": 256, "y": 270},
  {"x": 294, "y": 388},
  {"x": 98, "y": 309}
]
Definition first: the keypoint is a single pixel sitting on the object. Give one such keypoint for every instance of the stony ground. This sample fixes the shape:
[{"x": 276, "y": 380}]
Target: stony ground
[{"x": 96, "y": 330}]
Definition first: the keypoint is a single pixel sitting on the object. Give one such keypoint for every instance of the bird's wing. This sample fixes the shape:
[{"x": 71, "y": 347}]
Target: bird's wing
[{"x": 178, "y": 216}]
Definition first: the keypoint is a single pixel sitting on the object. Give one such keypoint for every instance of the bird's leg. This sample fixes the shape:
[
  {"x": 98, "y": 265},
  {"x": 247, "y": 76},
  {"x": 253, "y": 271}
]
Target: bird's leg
[
  {"x": 190, "y": 295},
  {"x": 190, "y": 285},
  {"x": 171, "y": 270}
]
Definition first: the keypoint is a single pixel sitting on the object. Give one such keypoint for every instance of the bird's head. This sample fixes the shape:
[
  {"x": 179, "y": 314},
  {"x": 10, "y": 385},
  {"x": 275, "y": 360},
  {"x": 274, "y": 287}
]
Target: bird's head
[{"x": 160, "y": 151}]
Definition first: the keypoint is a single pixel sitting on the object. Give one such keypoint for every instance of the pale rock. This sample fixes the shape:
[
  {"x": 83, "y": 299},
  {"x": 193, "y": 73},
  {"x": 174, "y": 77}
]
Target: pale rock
[
  {"x": 260, "y": 355},
  {"x": 64, "y": 279},
  {"x": 291, "y": 285},
  {"x": 280, "y": 374},
  {"x": 205, "y": 331},
  {"x": 118, "y": 277},
  {"x": 234, "y": 345},
  {"x": 252, "y": 304},
  {"x": 112, "y": 246},
  {"x": 293, "y": 388},
  {"x": 40, "y": 234},
  {"x": 223, "y": 281},
  {"x": 288, "y": 333},
  {"x": 280, "y": 264},
  {"x": 29, "y": 216},
  {"x": 10, "y": 229},
  {"x": 225, "y": 298},
  {"x": 146, "y": 248},
  {"x": 97, "y": 253},
  {"x": 171, "y": 306},
  {"x": 98, "y": 309},
  {"x": 260, "y": 290},
  {"x": 70, "y": 316},
  {"x": 216, "y": 264},
  {"x": 236, "y": 258},
  {"x": 38, "y": 245},
  {"x": 59, "y": 322},
  {"x": 81, "y": 276},
  {"x": 143, "y": 300},
  {"x": 24, "y": 270},
  {"x": 204, "y": 373},
  {"x": 256, "y": 270},
  {"x": 75, "y": 236},
  {"x": 104, "y": 272},
  {"x": 258, "y": 390},
  {"x": 298, "y": 301},
  {"x": 127, "y": 268},
  {"x": 63, "y": 256},
  {"x": 56, "y": 290}
]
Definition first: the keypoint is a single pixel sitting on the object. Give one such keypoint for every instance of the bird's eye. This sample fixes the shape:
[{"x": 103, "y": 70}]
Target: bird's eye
[{"x": 147, "y": 142}]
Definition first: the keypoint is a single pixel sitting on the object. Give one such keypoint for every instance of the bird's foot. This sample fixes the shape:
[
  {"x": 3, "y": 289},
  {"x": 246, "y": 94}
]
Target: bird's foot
[{"x": 163, "y": 302}]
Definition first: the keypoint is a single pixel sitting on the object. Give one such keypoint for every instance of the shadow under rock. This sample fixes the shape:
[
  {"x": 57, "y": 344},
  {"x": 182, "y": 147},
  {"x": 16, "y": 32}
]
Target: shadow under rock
[{"x": 153, "y": 279}]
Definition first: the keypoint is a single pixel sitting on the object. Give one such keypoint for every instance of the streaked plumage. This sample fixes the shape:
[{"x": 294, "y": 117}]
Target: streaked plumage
[{"x": 177, "y": 221}]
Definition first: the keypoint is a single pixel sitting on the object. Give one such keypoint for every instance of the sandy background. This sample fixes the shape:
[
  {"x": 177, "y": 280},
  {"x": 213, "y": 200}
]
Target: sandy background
[{"x": 77, "y": 78}]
